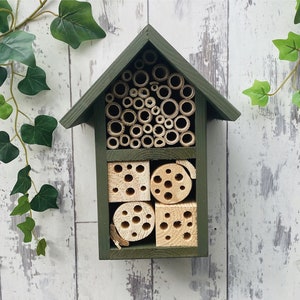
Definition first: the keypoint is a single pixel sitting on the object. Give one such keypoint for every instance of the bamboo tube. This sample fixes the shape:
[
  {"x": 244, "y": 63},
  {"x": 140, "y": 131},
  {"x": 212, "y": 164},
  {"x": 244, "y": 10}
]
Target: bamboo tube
[
  {"x": 149, "y": 57},
  {"x": 109, "y": 97},
  {"x": 143, "y": 92},
  {"x": 160, "y": 72},
  {"x": 160, "y": 119},
  {"x": 172, "y": 137},
  {"x": 144, "y": 116},
  {"x": 120, "y": 89},
  {"x": 182, "y": 123},
  {"x": 159, "y": 130},
  {"x": 169, "y": 124},
  {"x": 187, "y": 91},
  {"x": 139, "y": 64},
  {"x": 136, "y": 130},
  {"x": 159, "y": 142},
  {"x": 133, "y": 92},
  {"x": 169, "y": 108},
  {"x": 163, "y": 92},
  {"x": 150, "y": 102},
  {"x": 187, "y": 107},
  {"x": 147, "y": 141},
  {"x": 187, "y": 139},
  {"x": 154, "y": 86},
  {"x": 128, "y": 117},
  {"x": 138, "y": 103},
  {"x": 124, "y": 140},
  {"x": 140, "y": 78},
  {"x": 175, "y": 81},
  {"x": 127, "y": 102},
  {"x": 126, "y": 75},
  {"x": 155, "y": 110},
  {"x": 112, "y": 143},
  {"x": 113, "y": 110},
  {"x": 115, "y": 128},
  {"x": 135, "y": 143},
  {"x": 148, "y": 128}
]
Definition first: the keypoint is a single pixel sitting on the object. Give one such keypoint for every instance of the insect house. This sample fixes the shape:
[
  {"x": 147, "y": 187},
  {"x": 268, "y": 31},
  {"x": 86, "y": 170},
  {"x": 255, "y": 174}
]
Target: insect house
[{"x": 149, "y": 110}]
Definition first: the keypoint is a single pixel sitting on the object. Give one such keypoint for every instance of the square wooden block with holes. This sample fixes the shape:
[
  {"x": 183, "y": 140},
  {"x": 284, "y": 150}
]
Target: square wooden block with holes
[
  {"x": 129, "y": 181},
  {"x": 176, "y": 224}
]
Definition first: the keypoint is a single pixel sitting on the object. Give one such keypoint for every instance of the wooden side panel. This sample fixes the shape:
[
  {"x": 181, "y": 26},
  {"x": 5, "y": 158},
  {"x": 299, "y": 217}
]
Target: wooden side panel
[
  {"x": 199, "y": 33},
  {"x": 263, "y": 159}
]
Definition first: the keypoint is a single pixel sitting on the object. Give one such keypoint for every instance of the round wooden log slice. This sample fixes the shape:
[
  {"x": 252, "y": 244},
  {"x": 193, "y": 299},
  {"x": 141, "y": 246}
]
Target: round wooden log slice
[
  {"x": 170, "y": 183},
  {"x": 134, "y": 220}
]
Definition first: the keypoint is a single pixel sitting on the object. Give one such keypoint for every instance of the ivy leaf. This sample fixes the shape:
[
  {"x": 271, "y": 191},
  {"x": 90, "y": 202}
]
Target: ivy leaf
[
  {"x": 289, "y": 48},
  {"x": 22, "y": 207},
  {"x": 46, "y": 198},
  {"x": 41, "y": 132},
  {"x": 27, "y": 227},
  {"x": 258, "y": 93},
  {"x": 17, "y": 45},
  {"x": 75, "y": 24},
  {"x": 8, "y": 151},
  {"x": 34, "y": 82},
  {"x": 296, "y": 99},
  {"x": 40, "y": 250},
  {"x": 3, "y": 75},
  {"x": 23, "y": 183},
  {"x": 5, "y": 108},
  {"x": 3, "y": 15},
  {"x": 297, "y": 15}
]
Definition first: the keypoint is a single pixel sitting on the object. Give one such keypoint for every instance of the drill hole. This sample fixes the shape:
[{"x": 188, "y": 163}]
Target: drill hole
[
  {"x": 130, "y": 191},
  {"x": 163, "y": 226},
  {"x": 168, "y": 196},
  {"x": 125, "y": 224},
  {"x": 134, "y": 234},
  {"x": 187, "y": 214},
  {"x": 136, "y": 219},
  {"x": 128, "y": 178},
  {"x": 148, "y": 216},
  {"x": 146, "y": 226},
  {"x": 178, "y": 177},
  {"x": 186, "y": 235},
  {"x": 157, "y": 191},
  {"x": 157, "y": 179},
  {"x": 118, "y": 168},
  {"x": 189, "y": 224},
  {"x": 182, "y": 187},
  {"x": 168, "y": 171},
  {"x": 124, "y": 213},
  {"x": 140, "y": 168},
  {"x": 168, "y": 237},
  {"x": 167, "y": 215},
  {"x": 115, "y": 190},
  {"x": 129, "y": 167},
  {"x": 137, "y": 208},
  {"x": 168, "y": 184},
  {"x": 177, "y": 224},
  {"x": 143, "y": 188}
]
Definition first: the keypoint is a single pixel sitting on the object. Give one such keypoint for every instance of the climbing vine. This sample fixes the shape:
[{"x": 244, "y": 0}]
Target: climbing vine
[
  {"x": 72, "y": 24},
  {"x": 260, "y": 91}
]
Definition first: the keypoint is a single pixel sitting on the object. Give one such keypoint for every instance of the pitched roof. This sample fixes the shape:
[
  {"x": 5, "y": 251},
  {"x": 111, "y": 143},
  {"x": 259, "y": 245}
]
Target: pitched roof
[{"x": 81, "y": 111}]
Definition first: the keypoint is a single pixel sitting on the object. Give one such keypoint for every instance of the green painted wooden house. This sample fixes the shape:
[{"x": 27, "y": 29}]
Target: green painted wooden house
[{"x": 150, "y": 110}]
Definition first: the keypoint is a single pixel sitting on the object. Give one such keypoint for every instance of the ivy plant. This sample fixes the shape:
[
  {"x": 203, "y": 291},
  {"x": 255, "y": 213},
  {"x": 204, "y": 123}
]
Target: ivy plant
[
  {"x": 260, "y": 91},
  {"x": 72, "y": 24}
]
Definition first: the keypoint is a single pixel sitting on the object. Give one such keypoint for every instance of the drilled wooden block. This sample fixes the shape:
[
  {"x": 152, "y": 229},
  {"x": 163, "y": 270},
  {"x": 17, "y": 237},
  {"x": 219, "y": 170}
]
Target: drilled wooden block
[
  {"x": 134, "y": 220},
  {"x": 176, "y": 224},
  {"x": 129, "y": 181}
]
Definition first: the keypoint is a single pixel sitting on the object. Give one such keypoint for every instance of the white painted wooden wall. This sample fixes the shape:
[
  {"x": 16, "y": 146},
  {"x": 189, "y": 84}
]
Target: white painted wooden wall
[{"x": 254, "y": 168}]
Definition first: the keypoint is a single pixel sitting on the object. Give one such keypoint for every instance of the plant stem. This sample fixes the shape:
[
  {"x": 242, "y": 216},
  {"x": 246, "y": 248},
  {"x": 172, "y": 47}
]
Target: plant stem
[{"x": 294, "y": 70}]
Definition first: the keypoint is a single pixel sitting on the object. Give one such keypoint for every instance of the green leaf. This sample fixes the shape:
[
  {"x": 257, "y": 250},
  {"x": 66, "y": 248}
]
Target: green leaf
[
  {"x": 23, "y": 183},
  {"x": 5, "y": 108},
  {"x": 27, "y": 227},
  {"x": 289, "y": 48},
  {"x": 297, "y": 15},
  {"x": 40, "y": 250},
  {"x": 8, "y": 151},
  {"x": 41, "y": 132},
  {"x": 17, "y": 45},
  {"x": 296, "y": 99},
  {"x": 4, "y": 27},
  {"x": 46, "y": 198},
  {"x": 34, "y": 82},
  {"x": 22, "y": 207},
  {"x": 3, "y": 75},
  {"x": 258, "y": 93},
  {"x": 75, "y": 23}
]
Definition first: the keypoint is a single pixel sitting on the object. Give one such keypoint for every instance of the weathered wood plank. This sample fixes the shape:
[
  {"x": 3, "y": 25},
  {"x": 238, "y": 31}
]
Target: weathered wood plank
[
  {"x": 263, "y": 159},
  {"x": 200, "y": 36}
]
